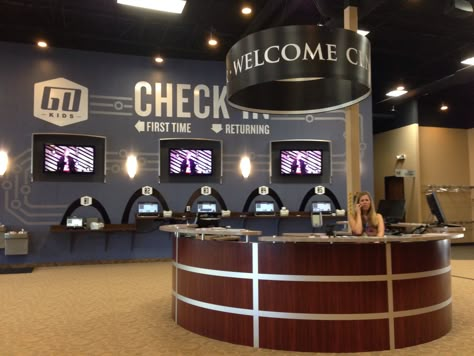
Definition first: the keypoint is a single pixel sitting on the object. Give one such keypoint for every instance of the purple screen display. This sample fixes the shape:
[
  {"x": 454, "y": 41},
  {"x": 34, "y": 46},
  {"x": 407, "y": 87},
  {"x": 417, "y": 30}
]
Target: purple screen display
[
  {"x": 301, "y": 162},
  {"x": 68, "y": 159},
  {"x": 190, "y": 162}
]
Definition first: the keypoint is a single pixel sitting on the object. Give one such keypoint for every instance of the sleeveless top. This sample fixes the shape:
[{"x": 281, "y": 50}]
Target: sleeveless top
[{"x": 368, "y": 229}]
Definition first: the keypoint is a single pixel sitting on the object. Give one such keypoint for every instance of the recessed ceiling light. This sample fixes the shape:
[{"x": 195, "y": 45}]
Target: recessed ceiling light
[
  {"x": 397, "y": 92},
  {"x": 212, "y": 41},
  {"x": 246, "y": 10},
  {"x": 468, "y": 61},
  {"x": 363, "y": 32},
  {"x": 173, "y": 6},
  {"x": 159, "y": 59},
  {"x": 444, "y": 107},
  {"x": 42, "y": 44}
]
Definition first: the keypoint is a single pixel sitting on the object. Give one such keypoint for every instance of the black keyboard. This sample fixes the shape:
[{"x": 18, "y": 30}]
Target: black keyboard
[{"x": 451, "y": 225}]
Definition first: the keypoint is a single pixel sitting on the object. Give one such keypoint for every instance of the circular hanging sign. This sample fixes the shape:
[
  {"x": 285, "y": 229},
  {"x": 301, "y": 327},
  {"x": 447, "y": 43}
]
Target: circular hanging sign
[{"x": 298, "y": 70}]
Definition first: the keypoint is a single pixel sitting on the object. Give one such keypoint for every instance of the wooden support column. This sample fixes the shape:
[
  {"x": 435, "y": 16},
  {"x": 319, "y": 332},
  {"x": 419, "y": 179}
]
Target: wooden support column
[{"x": 352, "y": 123}]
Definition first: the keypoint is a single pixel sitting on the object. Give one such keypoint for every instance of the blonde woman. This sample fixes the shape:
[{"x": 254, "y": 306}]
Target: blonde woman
[{"x": 365, "y": 220}]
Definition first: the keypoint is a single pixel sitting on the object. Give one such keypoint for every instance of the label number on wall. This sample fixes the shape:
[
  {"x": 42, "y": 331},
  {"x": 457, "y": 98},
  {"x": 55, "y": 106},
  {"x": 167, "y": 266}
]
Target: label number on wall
[
  {"x": 320, "y": 190},
  {"x": 147, "y": 190},
  {"x": 206, "y": 190},
  {"x": 86, "y": 201},
  {"x": 263, "y": 190}
]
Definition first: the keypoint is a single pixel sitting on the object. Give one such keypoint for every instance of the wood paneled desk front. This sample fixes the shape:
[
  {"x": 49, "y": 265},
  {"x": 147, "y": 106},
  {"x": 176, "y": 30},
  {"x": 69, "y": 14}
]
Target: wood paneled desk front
[{"x": 313, "y": 292}]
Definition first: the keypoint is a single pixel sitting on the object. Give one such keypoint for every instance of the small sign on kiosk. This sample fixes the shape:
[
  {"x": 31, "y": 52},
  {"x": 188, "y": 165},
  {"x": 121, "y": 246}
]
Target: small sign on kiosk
[{"x": 16, "y": 243}]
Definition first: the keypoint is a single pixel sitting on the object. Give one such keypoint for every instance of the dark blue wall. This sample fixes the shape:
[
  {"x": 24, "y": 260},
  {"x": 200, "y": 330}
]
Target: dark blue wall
[{"x": 110, "y": 80}]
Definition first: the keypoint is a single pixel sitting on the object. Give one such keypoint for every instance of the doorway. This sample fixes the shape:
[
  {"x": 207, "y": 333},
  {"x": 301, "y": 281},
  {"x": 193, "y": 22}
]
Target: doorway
[{"x": 394, "y": 188}]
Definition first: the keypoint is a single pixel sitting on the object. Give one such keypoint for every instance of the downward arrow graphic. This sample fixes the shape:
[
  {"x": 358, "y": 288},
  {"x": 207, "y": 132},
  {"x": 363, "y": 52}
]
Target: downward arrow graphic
[{"x": 216, "y": 128}]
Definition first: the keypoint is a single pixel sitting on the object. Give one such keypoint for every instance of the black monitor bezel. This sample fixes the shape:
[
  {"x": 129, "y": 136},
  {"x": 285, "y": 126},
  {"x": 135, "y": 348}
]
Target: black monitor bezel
[
  {"x": 322, "y": 202},
  {"x": 207, "y": 202},
  {"x": 300, "y": 144},
  {"x": 149, "y": 202},
  {"x": 166, "y": 144},
  {"x": 435, "y": 208},
  {"x": 392, "y": 210},
  {"x": 179, "y": 174},
  {"x": 38, "y": 142},
  {"x": 265, "y": 202}
]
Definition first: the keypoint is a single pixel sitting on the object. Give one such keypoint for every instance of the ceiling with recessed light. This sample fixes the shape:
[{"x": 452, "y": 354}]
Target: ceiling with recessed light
[{"x": 415, "y": 43}]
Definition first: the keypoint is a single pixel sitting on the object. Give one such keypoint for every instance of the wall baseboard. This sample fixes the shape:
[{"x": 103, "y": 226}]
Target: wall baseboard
[{"x": 78, "y": 263}]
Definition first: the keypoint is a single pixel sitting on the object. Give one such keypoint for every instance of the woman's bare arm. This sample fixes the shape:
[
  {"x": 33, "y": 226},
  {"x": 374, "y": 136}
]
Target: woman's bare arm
[{"x": 380, "y": 226}]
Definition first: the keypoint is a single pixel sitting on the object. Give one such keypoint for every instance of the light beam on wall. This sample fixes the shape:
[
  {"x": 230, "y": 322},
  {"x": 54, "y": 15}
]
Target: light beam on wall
[
  {"x": 3, "y": 162},
  {"x": 245, "y": 166},
  {"x": 132, "y": 165}
]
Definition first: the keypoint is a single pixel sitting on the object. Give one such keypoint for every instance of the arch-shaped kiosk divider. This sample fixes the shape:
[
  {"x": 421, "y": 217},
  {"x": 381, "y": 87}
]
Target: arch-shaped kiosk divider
[
  {"x": 95, "y": 204},
  {"x": 255, "y": 193},
  {"x": 197, "y": 193},
  {"x": 311, "y": 193},
  {"x": 138, "y": 194}
]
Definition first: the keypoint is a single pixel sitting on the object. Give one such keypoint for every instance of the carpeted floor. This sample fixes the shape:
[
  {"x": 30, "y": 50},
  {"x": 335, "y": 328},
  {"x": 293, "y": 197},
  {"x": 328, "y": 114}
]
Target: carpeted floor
[{"x": 125, "y": 309}]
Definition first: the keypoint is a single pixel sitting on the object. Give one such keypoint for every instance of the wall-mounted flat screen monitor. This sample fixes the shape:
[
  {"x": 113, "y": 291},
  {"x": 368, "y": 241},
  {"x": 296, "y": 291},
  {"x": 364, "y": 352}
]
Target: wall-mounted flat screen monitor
[
  {"x": 393, "y": 211},
  {"x": 321, "y": 207},
  {"x": 264, "y": 208},
  {"x": 148, "y": 209},
  {"x": 206, "y": 207},
  {"x": 190, "y": 162},
  {"x": 68, "y": 159},
  {"x": 74, "y": 222},
  {"x": 187, "y": 161},
  {"x": 435, "y": 208},
  {"x": 301, "y": 162}
]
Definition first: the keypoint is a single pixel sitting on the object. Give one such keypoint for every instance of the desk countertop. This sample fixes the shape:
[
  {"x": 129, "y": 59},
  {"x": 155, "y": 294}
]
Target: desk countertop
[
  {"x": 429, "y": 228},
  {"x": 302, "y": 237},
  {"x": 221, "y": 231}
]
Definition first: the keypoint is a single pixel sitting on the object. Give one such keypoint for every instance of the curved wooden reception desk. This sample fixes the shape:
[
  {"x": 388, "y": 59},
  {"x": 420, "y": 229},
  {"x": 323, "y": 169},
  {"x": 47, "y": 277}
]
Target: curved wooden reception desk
[{"x": 314, "y": 293}]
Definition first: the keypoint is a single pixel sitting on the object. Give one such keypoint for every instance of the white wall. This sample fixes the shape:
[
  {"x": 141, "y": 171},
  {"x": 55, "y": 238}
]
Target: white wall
[
  {"x": 441, "y": 157},
  {"x": 387, "y": 146}
]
